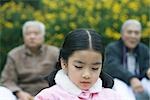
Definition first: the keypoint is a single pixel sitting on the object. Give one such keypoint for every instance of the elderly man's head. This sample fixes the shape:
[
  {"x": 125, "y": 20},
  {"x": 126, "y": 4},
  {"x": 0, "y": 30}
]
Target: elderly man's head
[
  {"x": 33, "y": 33},
  {"x": 131, "y": 33}
]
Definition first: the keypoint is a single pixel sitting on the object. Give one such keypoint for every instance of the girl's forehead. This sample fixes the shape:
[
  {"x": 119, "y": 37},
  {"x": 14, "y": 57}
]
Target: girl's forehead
[
  {"x": 86, "y": 56},
  {"x": 84, "y": 52}
]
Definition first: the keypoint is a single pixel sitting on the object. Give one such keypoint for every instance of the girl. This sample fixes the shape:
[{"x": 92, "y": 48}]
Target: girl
[{"x": 81, "y": 63}]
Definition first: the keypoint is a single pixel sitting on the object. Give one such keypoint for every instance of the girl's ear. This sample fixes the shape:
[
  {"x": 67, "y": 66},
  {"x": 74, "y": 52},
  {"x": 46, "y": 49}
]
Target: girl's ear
[{"x": 63, "y": 64}]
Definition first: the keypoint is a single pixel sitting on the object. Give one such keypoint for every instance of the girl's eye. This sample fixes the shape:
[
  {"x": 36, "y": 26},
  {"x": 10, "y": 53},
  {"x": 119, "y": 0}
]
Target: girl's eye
[
  {"x": 95, "y": 68},
  {"x": 79, "y": 67}
]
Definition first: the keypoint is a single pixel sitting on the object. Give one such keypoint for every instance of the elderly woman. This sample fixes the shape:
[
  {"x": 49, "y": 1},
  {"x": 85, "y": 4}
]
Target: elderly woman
[
  {"x": 28, "y": 64},
  {"x": 127, "y": 60}
]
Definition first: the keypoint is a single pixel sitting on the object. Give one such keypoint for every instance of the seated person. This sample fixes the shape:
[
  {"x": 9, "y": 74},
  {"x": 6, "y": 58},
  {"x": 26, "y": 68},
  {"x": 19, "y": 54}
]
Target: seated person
[
  {"x": 127, "y": 60},
  {"x": 28, "y": 64}
]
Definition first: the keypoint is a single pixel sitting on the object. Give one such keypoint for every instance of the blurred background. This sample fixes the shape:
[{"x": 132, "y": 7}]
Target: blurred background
[{"x": 62, "y": 16}]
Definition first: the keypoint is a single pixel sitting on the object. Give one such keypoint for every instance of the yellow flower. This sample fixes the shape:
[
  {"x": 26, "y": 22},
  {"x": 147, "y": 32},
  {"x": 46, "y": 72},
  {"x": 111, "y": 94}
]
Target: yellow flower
[
  {"x": 107, "y": 3},
  {"x": 148, "y": 24},
  {"x": 97, "y": 19},
  {"x": 57, "y": 28},
  {"x": 8, "y": 25},
  {"x": 112, "y": 34},
  {"x": 124, "y": 1},
  {"x": 90, "y": 5},
  {"x": 60, "y": 36},
  {"x": 146, "y": 2},
  {"x": 52, "y": 4},
  {"x": 63, "y": 15},
  {"x": 108, "y": 32},
  {"x": 123, "y": 18},
  {"x": 91, "y": 20},
  {"x": 144, "y": 19},
  {"x": 116, "y": 35},
  {"x": 116, "y": 8},
  {"x": 134, "y": 5},
  {"x": 72, "y": 25},
  {"x": 45, "y": 2},
  {"x": 23, "y": 16},
  {"x": 146, "y": 33},
  {"x": 115, "y": 25},
  {"x": 72, "y": 10},
  {"x": 98, "y": 6},
  {"x": 50, "y": 16},
  {"x": 38, "y": 15},
  {"x": 72, "y": 1},
  {"x": 115, "y": 16}
]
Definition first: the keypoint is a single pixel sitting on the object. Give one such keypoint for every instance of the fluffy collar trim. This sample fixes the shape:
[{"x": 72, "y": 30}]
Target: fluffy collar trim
[{"x": 63, "y": 81}]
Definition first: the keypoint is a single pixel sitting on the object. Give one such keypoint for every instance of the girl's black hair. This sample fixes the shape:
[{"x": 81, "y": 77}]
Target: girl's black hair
[{"x": 81, "y": 39}]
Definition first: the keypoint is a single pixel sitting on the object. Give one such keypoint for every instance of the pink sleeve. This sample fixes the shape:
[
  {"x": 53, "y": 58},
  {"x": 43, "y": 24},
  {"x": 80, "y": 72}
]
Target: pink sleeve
[
  {"x": 40, "y": 97},
  {"x": 45, "y": 95}
]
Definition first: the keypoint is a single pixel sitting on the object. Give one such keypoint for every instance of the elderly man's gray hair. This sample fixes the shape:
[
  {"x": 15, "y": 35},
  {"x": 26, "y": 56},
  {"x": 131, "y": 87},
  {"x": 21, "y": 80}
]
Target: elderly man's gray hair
[
  {"x": 37, "y": 24},
  {"x": 129, "y": 22}
]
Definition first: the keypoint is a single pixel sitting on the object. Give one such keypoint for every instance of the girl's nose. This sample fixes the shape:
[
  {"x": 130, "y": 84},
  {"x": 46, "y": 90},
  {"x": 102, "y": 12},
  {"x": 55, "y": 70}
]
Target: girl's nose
[{"x": 86, "y": 74}]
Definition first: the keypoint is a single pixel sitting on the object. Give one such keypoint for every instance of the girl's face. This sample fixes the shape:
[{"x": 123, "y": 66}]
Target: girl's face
[{"x": 83, "y": 68}]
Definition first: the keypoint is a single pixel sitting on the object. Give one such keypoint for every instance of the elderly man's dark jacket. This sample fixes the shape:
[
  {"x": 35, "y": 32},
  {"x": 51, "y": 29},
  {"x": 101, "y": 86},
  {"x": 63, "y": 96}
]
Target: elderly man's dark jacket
[{"x": 115, "y": 57}]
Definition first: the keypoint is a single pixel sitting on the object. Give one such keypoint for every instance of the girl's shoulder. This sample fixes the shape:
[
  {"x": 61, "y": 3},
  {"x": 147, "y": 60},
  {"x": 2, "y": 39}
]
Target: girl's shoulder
[
  {"x": 50, "y": 89},
  {"x": 53, "y": 93},
  {"x": 50, "y": 92}
]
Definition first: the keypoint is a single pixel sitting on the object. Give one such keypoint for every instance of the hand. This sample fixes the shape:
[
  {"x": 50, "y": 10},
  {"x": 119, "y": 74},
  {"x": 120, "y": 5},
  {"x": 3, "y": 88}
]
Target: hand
[
  {"x": 148, "y": 73},
  {"x": 24, "y": 95},
  {"x": 136, "y": 85}
]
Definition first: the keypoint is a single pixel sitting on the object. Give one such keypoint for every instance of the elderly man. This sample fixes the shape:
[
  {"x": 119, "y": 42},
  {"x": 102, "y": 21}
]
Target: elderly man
[
  {"x": 127, "y": 60},
  {"x": 28, "y": 64}
]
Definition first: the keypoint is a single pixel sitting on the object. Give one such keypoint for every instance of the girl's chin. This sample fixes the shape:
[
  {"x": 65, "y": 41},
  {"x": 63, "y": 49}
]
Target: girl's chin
[{"x": 85, "y": 89}]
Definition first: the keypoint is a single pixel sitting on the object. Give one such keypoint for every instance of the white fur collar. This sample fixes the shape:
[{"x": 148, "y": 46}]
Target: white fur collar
[{"x": 62, "y": 80}]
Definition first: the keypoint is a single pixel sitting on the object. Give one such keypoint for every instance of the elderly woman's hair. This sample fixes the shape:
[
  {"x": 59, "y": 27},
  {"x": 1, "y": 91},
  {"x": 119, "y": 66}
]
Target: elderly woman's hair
[
  {"x": 129, "y": 22},
  {"x": 37, "y": 24}
]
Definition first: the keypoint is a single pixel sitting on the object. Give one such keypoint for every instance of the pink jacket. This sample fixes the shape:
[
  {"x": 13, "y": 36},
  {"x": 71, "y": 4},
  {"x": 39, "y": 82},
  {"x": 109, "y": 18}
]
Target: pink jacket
[{"x": 66, "y": 90}]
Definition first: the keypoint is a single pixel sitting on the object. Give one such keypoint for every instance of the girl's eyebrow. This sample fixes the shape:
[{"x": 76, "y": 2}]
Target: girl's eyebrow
[
  {"x": 78, "y": 61},
  {"x": 96, "y": 63}
]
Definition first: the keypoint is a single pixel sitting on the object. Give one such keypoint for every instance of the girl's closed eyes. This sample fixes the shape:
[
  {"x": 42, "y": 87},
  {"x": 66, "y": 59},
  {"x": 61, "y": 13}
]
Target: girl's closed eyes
[
  {"x": 95, "y": 68},
  {"x": 78, "y": 67},
  {"x": 92, "y": 68}
]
